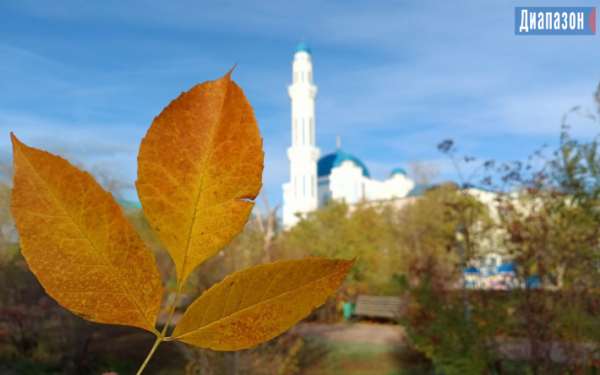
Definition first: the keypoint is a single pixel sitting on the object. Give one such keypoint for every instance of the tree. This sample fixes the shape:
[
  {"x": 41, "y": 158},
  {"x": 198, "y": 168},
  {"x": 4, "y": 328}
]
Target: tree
[
  {"x": 344, "y": 231},
  {"x": 8, "y": 235},
  {"x": 267, "y": 226}
]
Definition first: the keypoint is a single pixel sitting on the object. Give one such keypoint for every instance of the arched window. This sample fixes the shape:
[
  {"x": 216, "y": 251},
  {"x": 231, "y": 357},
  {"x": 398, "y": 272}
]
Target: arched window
[{"x": 309, "y": 77}]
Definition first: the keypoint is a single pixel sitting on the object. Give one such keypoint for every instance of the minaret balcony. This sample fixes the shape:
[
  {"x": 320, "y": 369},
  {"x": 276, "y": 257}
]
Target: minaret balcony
[
  {"x": 302, "y": 90},
  {"x": 304, "y": 152}
]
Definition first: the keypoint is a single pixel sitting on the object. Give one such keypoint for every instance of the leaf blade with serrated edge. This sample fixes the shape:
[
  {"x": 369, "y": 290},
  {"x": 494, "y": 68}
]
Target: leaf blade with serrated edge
[
  {"x": 199, "y": 167},
  {"x": 259, "y": 303},
  {"x": 79, "y": 245}
]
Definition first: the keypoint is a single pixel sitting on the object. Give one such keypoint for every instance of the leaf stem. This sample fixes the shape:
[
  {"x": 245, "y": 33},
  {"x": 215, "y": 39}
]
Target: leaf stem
[
  {"x": 156, "y": 344},
  {"x": 161, "y": 337},
  {"x": 164, "y": 331}
]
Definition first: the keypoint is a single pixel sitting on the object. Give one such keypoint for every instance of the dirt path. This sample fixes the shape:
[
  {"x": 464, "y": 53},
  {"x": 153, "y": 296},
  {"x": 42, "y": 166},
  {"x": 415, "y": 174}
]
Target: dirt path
[{"x": 353, "y": 332}]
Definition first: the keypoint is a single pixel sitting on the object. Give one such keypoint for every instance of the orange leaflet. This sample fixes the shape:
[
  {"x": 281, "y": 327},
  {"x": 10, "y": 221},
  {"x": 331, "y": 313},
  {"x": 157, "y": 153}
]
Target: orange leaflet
[
  {"x": 79, "y": 245},
  {"x": 199, "y": 168},
  {"x": 257, "y": 304}
]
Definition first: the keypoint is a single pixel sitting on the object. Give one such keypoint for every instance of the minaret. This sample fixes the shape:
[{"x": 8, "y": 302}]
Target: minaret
[{"x": 300, "y": 194}]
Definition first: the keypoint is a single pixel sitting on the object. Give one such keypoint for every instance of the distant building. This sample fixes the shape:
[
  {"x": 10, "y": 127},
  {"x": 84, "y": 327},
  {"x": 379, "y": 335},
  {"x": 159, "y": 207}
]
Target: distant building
[
  {"x": 339, "y": 175},
  {"x": 491, "y": 277}
]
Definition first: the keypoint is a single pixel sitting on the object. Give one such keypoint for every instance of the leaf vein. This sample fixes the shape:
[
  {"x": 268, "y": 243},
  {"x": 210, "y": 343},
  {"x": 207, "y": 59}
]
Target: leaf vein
[
  {"x": 259, "y": 303},
  {"x": 92, "y": 243}
]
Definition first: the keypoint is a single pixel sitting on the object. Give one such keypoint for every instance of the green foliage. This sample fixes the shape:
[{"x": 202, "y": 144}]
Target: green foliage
[
  {"x": 456, "y": 340},
  {"x": 427, "y": 227},
  {"x": 390, "y": 240},
  {"x": 339, "y": 231}
]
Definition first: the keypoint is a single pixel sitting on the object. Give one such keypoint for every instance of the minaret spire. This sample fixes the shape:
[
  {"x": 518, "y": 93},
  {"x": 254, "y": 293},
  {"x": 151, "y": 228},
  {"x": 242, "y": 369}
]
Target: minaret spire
[
  {"x": 339, "y": 143},
  {"x": 300, "y": 194}
]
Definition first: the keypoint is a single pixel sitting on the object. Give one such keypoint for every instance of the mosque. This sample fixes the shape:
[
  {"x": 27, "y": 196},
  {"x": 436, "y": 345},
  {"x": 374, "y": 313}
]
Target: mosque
[{"x": 336, "y": 176}]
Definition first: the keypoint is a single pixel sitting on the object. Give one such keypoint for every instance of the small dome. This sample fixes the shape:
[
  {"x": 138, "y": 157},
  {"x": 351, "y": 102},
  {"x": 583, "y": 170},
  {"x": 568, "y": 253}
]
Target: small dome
[
  {"x": 398, "y": 171},
  {"x": 334, "y": 160},
  {"x": 303, "y": 47}
]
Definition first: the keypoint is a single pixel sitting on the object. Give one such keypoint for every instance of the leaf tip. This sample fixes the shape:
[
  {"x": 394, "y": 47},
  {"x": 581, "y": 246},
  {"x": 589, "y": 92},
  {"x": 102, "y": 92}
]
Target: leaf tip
[
  {"x": 14, "y": 139},
  {"x": 16, "y": 143},
  {"x": 228, "y": 75},
  {"x": 350, "y": 263}
]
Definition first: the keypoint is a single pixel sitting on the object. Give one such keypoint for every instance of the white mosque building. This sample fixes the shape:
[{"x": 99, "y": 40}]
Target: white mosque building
[{"x": 336, "y": 176}]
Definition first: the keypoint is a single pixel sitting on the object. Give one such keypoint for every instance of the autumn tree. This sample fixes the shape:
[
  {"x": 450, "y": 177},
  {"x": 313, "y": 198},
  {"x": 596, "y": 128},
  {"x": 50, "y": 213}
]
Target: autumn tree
[
  {"x": 426, "y": 233},
  {"x": 545, "y": 220}
]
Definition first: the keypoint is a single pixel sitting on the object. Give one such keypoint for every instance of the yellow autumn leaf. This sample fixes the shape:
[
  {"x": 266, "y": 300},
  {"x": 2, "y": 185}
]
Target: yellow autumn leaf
[
  {"x": 199, "y": 168},
  {"x": 79, "y": 245},
  {"x": 259, "y": 303}
]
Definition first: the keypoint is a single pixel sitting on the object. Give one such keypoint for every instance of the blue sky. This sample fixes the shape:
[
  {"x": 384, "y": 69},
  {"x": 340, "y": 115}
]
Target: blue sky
[{"x": 85, "y": 79}]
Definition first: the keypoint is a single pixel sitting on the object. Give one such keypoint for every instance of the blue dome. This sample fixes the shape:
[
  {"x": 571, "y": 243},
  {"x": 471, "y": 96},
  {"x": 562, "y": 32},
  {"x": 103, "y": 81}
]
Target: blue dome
[
  {"x": 302, "y": 47},
  {"x": 398, "y": 171},
  {"x": 334, "y": 160}
]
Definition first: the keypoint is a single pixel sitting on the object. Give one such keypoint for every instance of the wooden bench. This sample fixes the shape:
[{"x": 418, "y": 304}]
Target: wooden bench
[{"x": 379, "y": 307}]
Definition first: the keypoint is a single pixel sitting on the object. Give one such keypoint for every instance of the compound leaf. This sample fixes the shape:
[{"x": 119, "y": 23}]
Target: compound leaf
[
  {"x": 259, "y": 303},
  {"x": 79, "y": 245},
  {"x": 199, "y": 169}
]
